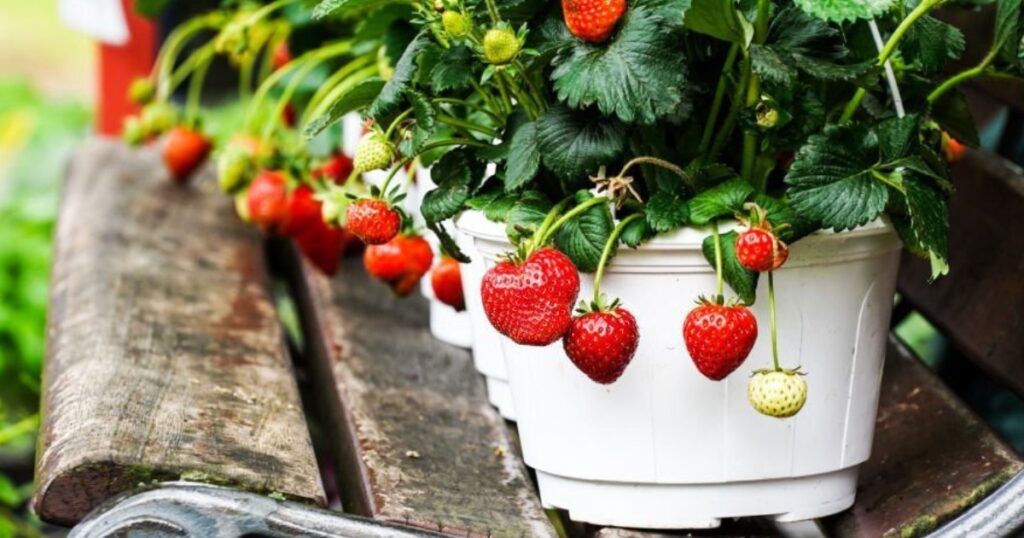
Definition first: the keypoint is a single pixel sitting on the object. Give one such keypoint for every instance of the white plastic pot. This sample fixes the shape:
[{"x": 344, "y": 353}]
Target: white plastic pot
[
  {"x": 488, "y": 356},
  {"x": 664, "y": 447}
]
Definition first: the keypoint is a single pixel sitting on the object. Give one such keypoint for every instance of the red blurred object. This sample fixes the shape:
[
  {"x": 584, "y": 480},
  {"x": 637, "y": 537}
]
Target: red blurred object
[
  {"x": 337, "y": 168},
  {"x": 119, "y": 65}
]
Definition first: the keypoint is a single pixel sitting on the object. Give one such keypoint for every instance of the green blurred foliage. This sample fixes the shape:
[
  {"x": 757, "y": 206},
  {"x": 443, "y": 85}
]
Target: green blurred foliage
[{"x": 36, "y": 139}]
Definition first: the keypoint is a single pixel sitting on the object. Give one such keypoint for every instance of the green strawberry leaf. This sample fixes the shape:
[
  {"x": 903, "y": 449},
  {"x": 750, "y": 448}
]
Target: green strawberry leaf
[
  {"x": 932, "y": 44},
  {"x": 799, "y": 43},
  {"x": 742, "y": 280},
  {"x": 927, "y": 229},
  {"x": 575, "y": 145},
  {"x": 582, "y": 239},
  {"x": 453, "y": 70},
  {"x": 719, "y": 19},
  {"x": 358, "y": 97},
  {"x": 391, "y": 94},
  {"x": 495, "y": 205},
  {"x": 897, "y": 137},
  {"x": 344, "y": 7},
  {"x": 666, "y": 212},
  {"x": 637, "y": 77},
  {"x": 524, "y": 217},
  {"x": 835, "y": 180},
  {"x": 954, "y": 116},
  {"x": 426, "y": 119},
  {"x": 1008, "y": 30},
  {"x": 636, "y": 233},
  {"x": 456, "y": 175},
  {"x": 845, "y": 10},
  {"x": 524, "y": 157},
  {"x": 724, "y": 200}
]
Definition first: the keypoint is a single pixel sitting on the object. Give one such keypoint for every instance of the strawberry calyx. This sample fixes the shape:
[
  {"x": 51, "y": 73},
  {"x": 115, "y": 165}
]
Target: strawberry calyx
[
  {"x": 787, "y": 371},
  {"x": 599, "y": 305}
]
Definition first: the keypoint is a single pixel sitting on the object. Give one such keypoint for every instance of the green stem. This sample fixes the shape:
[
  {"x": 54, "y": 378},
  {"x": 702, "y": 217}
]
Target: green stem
[
  {"x": 195, "y": 91},
  {"x": 524, "y": 100},
  {"x": 606, "y": 254},
  {"x": 506, "y": 103},
  {"x": 720, "y": 279},
  {"x": 954, "y": 81},
  {"x": 464, "y": 124},
  {"x": 397, "y": 121},
  {"x": 549, "y": 219},
  {"x": 341, "y": 89},
  {"x": 887, "y": 51},
  {"x": 772, "y": 321},
  {"x": 16, "y": 430},
  {"x": 734, "y": 110},
  {"x": 172, "y": 47},
  {"x": 716, "y": 103},
  {"x": 573, "y": 213},
  {"x": 487, "y": 97},
  {"x": 301, "y": 73},
  {"x": 661, "y": 163},
  {"x": 336, "y": 79},
  {"x": 534, "y": 90},
  {"x": 467, "y": 104},
  {"x": 750, "y": 139}
]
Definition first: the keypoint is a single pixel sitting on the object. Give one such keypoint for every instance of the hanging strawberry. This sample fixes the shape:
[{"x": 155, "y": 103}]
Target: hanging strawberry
[{"x": 592, "y": 20}]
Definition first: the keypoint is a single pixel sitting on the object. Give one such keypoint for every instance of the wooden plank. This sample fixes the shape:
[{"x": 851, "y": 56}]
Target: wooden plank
[
  {"x": 932, "y": 457},
  {"x": 165, "y": 356},
  {"x": 417, "y": 441},
  {"x": 978, "y": 304}
]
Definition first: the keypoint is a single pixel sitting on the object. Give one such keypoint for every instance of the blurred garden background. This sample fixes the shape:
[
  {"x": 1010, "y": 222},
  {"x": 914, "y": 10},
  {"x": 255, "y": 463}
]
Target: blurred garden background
[{"x": 46, "y": 85}]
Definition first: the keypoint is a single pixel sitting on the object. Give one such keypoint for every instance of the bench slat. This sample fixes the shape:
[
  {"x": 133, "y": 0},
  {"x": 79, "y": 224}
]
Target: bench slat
[
  {"x": 165, "y": 358},
  {"x": 932, "y": 457},
  {"x": 978, "y": 304},
  {"x": 417, "y": 441}
]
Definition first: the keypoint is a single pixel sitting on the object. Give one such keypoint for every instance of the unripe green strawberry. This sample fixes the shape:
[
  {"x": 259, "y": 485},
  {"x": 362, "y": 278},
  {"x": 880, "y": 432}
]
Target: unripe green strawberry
[
  {"x": 454, "y": 23},
  {"x": 500, "y": 46},
  {"x": 767, "y": 116},
  {"x": 133, "y": 132},
  {"x": 158, "y": 118},
  {"x": 242, "y": 206},
  {"x": 777, "y": 393},
  {"x": 234, "y": 167},
  {"x": 141, "y": 91},
  {"x": 373, "y": 153}
]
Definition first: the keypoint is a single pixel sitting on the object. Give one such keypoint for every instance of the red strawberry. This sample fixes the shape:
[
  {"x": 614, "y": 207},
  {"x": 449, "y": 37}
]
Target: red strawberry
[
  {"x": 288, "y": 115},
  {"x": 337, "y": 169},
  {"x": 592, "y": 20},
  {"x": 401, "y": 262},
  {"x": 446, "y": 280},
  {"x": 267, "y": 200},
  {"x": 373, "y": 221},
  {"x": 531, "y": 302},
  {"x": 601, "y": 344},
  {"x": 282, "y": 55},
  {"x": 759, "y": 250},
  {"x": 303, "y": 210},
  {"x": 184, "y": 151},
  {"x": 324, "y": 245},
  {"x": 719, "y": 338},
  {"x": 952, "y": 148}
]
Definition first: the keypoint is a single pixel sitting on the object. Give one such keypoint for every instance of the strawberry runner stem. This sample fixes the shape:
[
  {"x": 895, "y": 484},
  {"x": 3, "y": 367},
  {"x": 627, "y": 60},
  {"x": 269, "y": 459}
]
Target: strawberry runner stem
[
  {"x": 772, "y": 322},
  {"x": 606, "y": 254},
  {"x": 573, "y": 213},
  {"x": 720, "y": 280}
]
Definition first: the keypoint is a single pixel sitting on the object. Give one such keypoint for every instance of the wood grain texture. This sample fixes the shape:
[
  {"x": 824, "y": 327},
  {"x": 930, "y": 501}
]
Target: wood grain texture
[
  {"x": 417, "y": 440},
  {"x": 978, "y": 305},
  {"x": 932, "y": 458},
  {"x": 165, "y": 355}
]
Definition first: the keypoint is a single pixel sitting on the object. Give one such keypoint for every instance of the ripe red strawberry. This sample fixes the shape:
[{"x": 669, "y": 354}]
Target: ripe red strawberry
[
  {"x": 446, "y": 280},
  {"x": 719, "y": 338},
  {"x": 289, "y": 115},
  {"x": 401, "y": 262},
  {"x": 592, "y": 20},
  {"x": 184, "y": 150},
  {"x": 531, "y": 302},
  {"x": 372, "y": 220},
  {"x": 953, "y": 149},
  {"x": 267, "y": 200},
  {"x": 282, "y": 55},
  {"x": 303, "y": 211},
  {"x": 601, "y": 344},
  {"x": 759, "y": 250},
  {"x": 324, "y": 245},
  {"x": 336, "y": 169}
]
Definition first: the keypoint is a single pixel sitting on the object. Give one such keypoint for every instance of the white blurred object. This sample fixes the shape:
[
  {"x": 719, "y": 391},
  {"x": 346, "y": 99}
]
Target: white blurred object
[{"x": 103, "y": 20}]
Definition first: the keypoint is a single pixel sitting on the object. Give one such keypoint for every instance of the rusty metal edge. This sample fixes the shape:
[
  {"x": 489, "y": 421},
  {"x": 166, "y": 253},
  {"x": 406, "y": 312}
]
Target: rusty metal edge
[{"x": 999, "y": 514}]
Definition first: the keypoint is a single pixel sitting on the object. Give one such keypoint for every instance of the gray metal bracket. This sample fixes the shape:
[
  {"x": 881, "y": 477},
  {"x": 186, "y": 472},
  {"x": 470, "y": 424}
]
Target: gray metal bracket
[
  {"x": 999, "y": 514},
  {"x": 174, "y": 509}
]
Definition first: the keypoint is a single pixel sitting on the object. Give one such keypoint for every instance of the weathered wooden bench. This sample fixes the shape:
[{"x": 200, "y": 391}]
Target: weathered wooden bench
[{"x": 171, "y": 404}]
